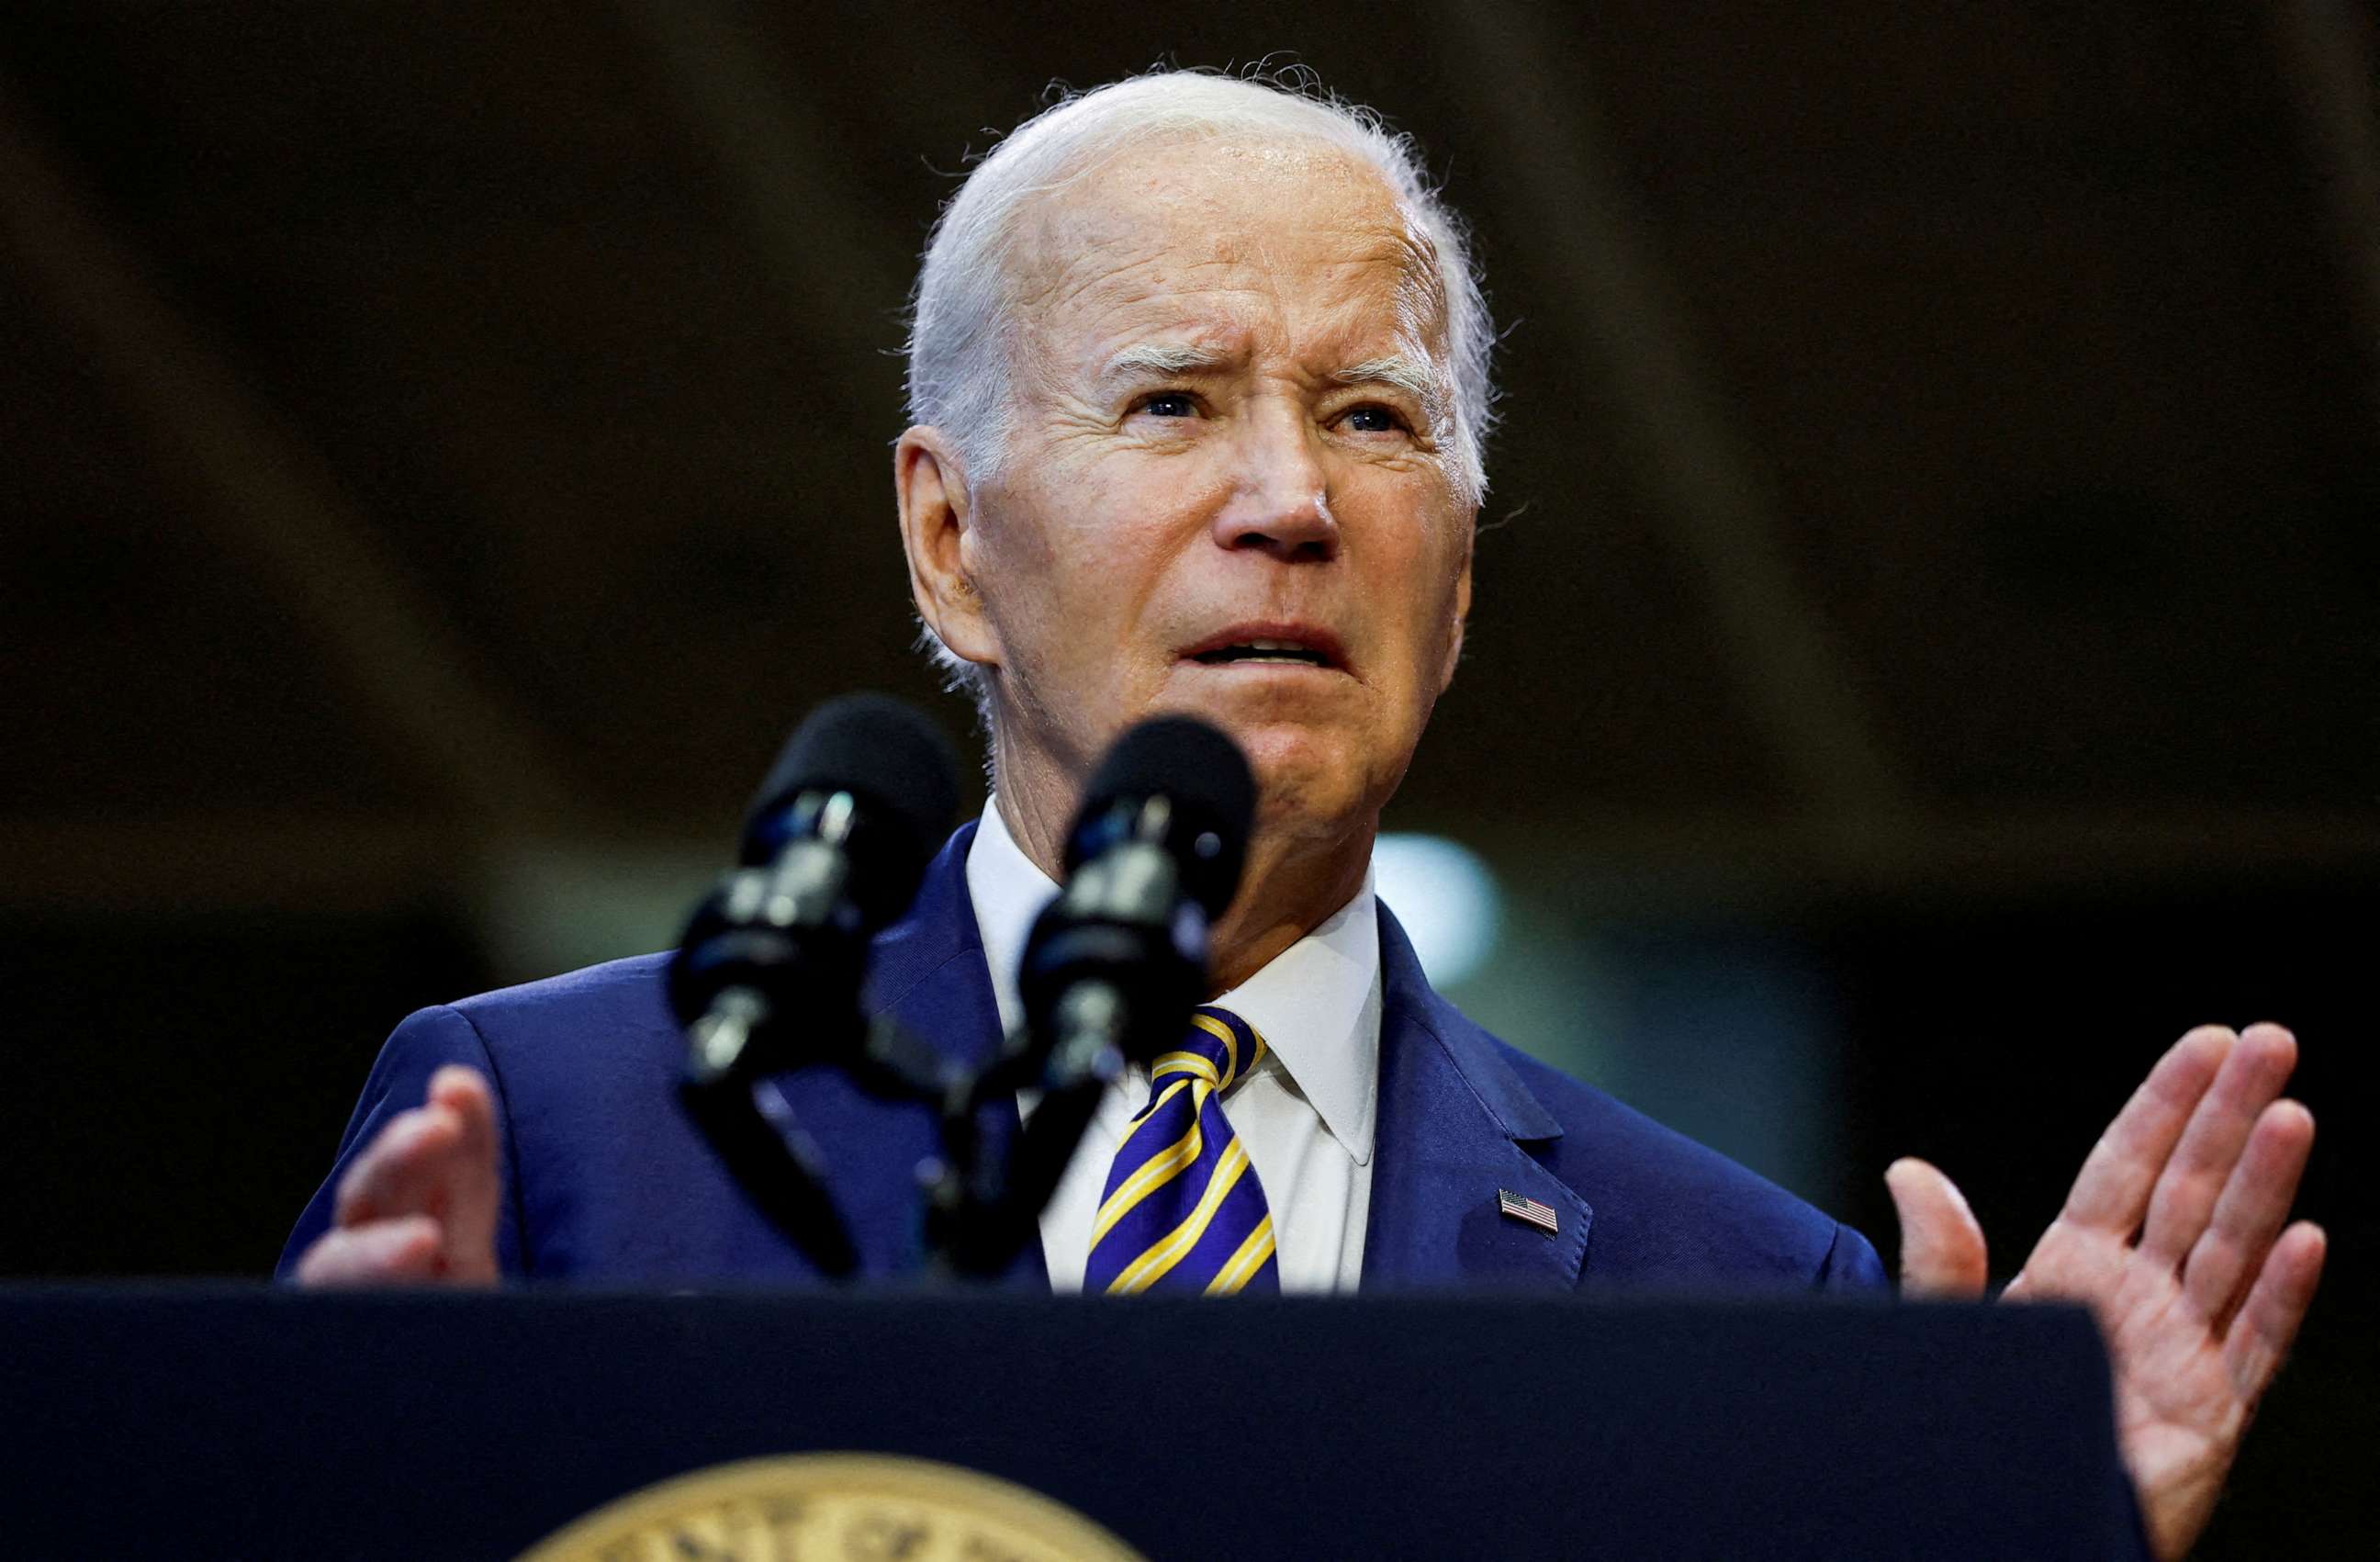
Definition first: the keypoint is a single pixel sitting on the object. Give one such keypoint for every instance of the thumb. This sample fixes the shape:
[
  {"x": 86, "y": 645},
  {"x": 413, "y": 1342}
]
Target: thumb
[{"x": 1941, "y": 1246}]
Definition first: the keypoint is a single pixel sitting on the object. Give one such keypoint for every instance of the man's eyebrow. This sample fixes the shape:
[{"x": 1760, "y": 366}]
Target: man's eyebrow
[
  {"x": 1399, "y": 370},
  {"x": 1147, "y": 360}
]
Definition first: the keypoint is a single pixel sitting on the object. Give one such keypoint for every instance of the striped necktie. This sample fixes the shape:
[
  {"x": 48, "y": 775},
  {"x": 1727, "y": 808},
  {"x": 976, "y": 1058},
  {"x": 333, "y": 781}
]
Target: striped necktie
[{"x": 1183, "y": 1211}]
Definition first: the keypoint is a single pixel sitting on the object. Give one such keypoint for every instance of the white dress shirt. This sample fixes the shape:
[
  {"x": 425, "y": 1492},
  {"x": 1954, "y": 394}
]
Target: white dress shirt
[{"x": 1305, "y": 1113}]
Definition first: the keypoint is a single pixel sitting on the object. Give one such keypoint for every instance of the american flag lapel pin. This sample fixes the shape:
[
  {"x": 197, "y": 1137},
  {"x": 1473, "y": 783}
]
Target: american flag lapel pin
[{"x": 1528, "y": 1211}]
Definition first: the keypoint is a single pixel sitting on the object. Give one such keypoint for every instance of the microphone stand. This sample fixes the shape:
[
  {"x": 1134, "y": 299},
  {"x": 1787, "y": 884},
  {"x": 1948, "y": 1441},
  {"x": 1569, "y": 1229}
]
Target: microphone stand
[
  {"x": 742, "y": 1109},
  {"x": 744, "y": 1114},
  {"x": 982, "y": 1211}
]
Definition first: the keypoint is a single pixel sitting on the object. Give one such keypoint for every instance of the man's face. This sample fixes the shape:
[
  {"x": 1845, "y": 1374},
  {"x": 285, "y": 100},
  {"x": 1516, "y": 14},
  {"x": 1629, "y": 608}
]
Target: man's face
[{"x": 1231, "y": 489}]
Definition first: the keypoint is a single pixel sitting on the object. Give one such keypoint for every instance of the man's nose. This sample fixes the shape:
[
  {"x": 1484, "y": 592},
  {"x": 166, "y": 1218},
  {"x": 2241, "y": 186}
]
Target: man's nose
[{"x": 1281, "y": 503}]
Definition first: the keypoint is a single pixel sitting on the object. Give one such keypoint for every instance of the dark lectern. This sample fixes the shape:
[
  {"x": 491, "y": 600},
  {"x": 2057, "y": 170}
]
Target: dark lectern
[{"x": 256, "y": 1423}]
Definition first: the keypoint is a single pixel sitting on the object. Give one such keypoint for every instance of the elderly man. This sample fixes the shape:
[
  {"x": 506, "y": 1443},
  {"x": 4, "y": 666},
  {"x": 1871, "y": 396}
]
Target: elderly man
[{"x": 1199, "y": 382}]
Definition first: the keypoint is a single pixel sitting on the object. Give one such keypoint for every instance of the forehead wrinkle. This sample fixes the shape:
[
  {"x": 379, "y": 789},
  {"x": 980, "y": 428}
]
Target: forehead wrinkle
[
  {"x": 1343, "y": 336},
  {"x": 1149, "y": 290},
  {"x": 1108, "y": 260}
]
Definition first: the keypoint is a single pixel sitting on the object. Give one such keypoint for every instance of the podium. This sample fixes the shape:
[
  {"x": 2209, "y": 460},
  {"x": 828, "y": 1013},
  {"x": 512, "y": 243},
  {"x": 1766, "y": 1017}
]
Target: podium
[{"x": 261, "y": 1422}]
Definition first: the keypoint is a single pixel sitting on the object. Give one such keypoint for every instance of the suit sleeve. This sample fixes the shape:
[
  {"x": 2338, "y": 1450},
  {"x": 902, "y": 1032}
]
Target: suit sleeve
[
  {"x": 428, "y": 1041},
  {"x": 1850, "y": 1265}
]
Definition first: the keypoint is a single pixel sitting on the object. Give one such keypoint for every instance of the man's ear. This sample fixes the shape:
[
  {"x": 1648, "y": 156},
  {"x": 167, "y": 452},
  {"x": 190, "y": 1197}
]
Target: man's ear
[
  {"x": 929, "y": 482},
  {"x": 1462, "y": 617}
]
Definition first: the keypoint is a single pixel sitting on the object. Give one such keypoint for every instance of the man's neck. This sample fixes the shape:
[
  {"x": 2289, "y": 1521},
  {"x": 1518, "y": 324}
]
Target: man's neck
[
  {"x": 1285, "y": 893},
  {"x": 1290, "y": 886}
]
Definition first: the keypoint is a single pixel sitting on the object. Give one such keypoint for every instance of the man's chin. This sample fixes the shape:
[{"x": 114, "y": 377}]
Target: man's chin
[
  {"x": 1315, "y": 770},
  {"x": 1305, "y": 787}
]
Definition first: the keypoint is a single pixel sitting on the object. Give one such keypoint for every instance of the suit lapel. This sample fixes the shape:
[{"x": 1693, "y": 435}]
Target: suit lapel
[
  {"x": 929, "y": 968},
  {"x": 1454, "y": 1125}
]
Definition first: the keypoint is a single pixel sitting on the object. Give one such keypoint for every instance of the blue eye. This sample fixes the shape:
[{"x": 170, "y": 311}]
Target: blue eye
[
  {"x": 1373, "y": 419},
  {"x": 1171, "y": 404}
]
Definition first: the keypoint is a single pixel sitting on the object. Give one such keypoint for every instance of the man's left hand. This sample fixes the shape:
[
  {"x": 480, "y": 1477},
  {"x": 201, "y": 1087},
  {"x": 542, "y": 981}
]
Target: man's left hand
[{"x": 2174, "y": 1236}]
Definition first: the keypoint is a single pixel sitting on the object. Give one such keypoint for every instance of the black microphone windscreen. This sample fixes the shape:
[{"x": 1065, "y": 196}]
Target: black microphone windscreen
[
  {"x": 1205, "y": 778},
  {"x": 883, "y": 751}
]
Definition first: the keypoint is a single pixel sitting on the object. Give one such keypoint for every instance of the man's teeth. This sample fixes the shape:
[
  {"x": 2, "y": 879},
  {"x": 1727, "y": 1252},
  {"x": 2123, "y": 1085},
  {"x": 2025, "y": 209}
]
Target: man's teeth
[{"x": 1277, "y": 650}]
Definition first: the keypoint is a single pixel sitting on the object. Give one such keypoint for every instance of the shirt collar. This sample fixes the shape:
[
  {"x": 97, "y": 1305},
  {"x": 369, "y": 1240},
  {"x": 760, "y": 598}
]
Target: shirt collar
[{"x": 1317, "y": 1003}]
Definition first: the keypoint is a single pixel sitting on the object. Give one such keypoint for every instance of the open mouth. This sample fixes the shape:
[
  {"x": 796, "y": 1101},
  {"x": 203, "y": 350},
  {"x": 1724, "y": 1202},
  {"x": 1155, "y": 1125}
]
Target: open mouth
[{"x": 1275, "y": 652}]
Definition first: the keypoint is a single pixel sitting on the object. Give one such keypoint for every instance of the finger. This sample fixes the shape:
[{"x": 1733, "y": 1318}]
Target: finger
[
  {"x": 2251, "y": 1078},
  {"x": 474, "y": 1188},
  {"x": 2276, "y": 1304},
  {"x": 382, "y": 1252},
  {"x": 2112, "y": 1191},
  {"x": 401, "y": 1171},
  {"x": 1942, "y": 1249},
  {"x": 466, "y": 1091},
  {"x": 2249, "y": 1215}
]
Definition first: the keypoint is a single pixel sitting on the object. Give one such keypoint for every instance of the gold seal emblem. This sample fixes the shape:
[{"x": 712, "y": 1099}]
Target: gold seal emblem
[{"x": 833, "y": 1508}]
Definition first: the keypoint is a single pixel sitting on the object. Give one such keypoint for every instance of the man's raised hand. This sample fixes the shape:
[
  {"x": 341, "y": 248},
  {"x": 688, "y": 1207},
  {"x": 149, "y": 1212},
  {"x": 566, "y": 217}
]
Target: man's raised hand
[
  {"x": 418, "y": 1206},
  {"x": 2176, "y": 1236}
]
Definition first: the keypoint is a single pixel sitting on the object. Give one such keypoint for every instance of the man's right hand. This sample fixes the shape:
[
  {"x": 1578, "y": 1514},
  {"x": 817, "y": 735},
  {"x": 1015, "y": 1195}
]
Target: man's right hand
[{"x": 418, "y": 1206}]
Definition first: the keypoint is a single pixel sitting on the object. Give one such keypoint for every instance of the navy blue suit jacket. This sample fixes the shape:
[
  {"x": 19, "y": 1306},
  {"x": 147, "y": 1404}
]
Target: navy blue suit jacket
[{"x": 607, "y": 1182}]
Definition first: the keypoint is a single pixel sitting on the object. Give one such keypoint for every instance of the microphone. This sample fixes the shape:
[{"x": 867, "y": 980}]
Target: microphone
[
  {"x": 766, "y": 976},
  {"x": 1153, "y": 858},
  {"x": 1114, "y": 964},
  {"x": 833, "y": 849}
]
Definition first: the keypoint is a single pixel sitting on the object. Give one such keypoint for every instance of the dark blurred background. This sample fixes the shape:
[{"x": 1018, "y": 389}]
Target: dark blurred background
[{"x": 1928, "y": 627}]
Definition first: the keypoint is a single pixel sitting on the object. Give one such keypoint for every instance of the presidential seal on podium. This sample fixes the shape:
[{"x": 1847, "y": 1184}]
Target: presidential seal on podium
[{"x": 846, "y": 1507}]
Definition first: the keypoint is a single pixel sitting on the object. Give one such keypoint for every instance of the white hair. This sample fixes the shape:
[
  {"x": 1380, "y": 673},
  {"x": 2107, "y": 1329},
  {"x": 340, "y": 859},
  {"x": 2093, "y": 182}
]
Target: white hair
[{"x": 963, "y": 331}]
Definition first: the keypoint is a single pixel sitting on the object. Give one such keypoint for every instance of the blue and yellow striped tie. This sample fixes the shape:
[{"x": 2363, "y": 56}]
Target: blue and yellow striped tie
[{"x": 1183, "y": 1211}]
